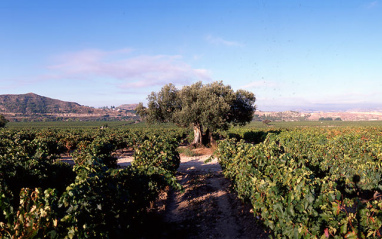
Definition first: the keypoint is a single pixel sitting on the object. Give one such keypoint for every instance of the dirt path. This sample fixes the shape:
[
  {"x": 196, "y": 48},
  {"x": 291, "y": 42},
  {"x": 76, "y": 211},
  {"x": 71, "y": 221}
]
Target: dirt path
[{"x": 207, "y": 209}]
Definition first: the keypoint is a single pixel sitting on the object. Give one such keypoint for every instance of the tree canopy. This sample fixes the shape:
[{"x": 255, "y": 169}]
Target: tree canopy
[
  {"x": 3, "y": 121},
  {"x": 206, "y": 107}
]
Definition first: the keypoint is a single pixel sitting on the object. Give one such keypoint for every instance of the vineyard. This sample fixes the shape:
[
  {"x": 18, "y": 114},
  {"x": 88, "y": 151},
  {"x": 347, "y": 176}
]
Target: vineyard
[
  {"x": 43, "y": 197},
  {"x": 305, "y": 182},
  {"x": 311, "y": 182}
]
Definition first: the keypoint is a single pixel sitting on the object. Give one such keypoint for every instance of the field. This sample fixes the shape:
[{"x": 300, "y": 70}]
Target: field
[
  {"x": 309, "y": 182},
  {"x": 293, "y": 124},
  {"x": 67, "y": 124},
  {"x": 299, "y": 179},
  {"x": 131, "y": 124}
]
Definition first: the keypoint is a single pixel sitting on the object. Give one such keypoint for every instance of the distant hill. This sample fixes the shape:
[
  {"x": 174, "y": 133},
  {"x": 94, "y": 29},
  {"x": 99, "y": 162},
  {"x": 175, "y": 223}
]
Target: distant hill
[
  {"x": 35, "y": 104},
  {"x": 128, "y": 106},
  {"x": 37, "y": 108}
]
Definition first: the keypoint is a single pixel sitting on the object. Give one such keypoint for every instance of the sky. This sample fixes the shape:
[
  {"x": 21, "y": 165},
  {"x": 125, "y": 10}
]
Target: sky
[{"x": 293, "y": 55}]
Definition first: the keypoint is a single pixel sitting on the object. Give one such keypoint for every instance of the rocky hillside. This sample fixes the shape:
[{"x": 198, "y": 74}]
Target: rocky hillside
[
  {"x": 128, "y": 106},
  {"x": 35, "y": 104},
  {"x": 35, "y": 107}
]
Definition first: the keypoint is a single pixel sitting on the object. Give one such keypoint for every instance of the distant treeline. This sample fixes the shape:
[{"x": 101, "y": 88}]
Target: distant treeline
[{"x": 329, "y": 119}]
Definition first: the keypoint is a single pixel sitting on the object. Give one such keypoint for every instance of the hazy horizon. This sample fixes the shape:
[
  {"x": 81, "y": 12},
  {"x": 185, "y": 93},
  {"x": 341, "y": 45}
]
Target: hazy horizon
[{"x": 293, "y": 55}]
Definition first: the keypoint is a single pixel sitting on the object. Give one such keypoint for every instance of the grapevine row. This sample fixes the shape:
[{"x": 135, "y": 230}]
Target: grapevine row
[
  {"x": 310, "y": 183},
  {"x": 44, "y": 198}
]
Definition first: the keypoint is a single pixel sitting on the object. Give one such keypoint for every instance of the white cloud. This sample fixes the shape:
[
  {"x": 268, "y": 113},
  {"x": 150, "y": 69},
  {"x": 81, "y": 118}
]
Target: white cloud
[
  {"x": 129, "y": 71},
  {"x": 220, "y": 41}
]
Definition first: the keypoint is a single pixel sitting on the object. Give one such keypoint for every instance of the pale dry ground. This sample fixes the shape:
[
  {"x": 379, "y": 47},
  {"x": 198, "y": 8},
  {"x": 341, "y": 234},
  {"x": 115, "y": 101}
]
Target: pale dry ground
[{"x": 206, "y": 209}]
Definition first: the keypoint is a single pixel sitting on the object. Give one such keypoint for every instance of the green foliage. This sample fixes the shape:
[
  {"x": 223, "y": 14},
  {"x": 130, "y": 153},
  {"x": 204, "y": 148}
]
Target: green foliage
[
  {"x": 100, "y": 147},
  {"x": 40, "y": 197},
  {"x": 158, "y": 152},
  {"x": 3, "y": 121},
  {"x": 102, "y": 202},
  {"x": 211, "y": 107},
  {"x": 27, "y": 159},
  {"x": 325, "y": 119},
  {"x": 310, "y": 183}
]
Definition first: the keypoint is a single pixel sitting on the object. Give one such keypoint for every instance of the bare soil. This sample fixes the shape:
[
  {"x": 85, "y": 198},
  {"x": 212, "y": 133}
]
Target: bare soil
[{"x": 206, "y": 209}]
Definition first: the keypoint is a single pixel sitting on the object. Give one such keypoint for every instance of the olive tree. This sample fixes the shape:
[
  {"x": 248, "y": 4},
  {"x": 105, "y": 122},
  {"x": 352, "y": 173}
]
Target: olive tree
[
  {"x": 3, "y": 121},
  {"x": 206, "y": 107}
]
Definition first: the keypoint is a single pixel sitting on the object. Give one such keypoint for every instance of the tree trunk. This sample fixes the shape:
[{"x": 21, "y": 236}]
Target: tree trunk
[
  {"x": 197, "y": 135},
  {"x": 212, "y": 140},
  {"x": 208, "y": 139}
]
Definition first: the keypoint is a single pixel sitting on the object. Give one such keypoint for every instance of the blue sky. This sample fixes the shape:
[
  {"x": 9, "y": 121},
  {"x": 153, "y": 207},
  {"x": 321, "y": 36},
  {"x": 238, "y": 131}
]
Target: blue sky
[{"x": 319, "y": 55}]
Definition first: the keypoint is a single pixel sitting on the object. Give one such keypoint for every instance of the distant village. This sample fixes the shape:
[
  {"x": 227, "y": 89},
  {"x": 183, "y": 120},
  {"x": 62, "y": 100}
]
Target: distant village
[{"x": 318, "y": 116}]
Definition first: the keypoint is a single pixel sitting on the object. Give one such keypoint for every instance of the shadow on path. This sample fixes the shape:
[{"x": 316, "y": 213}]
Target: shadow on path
[{"x": 207, "y": 209}]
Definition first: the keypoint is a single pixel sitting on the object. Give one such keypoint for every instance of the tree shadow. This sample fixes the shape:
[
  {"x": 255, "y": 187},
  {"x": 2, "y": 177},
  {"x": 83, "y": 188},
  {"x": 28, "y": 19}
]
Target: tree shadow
[{"x": 254, "y": 137}]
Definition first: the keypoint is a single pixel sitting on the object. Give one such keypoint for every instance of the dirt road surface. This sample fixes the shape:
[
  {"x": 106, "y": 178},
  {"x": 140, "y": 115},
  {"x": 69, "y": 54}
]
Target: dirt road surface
[{"x": 206, "y": 209}]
